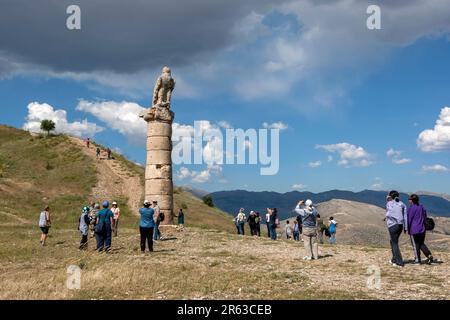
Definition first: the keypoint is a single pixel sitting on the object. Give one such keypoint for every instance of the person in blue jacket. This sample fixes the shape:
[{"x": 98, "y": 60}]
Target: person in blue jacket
[
  {"x": 103, "y": 228},
  {"x": 147, "y": 226}
]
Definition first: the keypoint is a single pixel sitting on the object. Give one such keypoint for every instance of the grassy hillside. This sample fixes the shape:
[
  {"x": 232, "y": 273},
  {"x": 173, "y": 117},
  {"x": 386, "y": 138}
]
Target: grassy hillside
[{"x": 36, "y": 171}]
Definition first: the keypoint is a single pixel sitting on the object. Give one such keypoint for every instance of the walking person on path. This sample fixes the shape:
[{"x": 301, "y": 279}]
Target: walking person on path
[
  {"x": 321, "y": 227},
  {"x": 103, "y": 228},
  {"x": 308, "y": 215},
  {"x": 180, "y": 217},
  {"x": 147, "y": 226},
  {"x": 97, "y": 153},
  {"x": 83, "y": 227},
  {"x": 44, "y": 224},
  {"x": 417, "y": 216},
  {"x": 396, "y": 222},
  {"x": 116, "y": 214},
  {"x": 241, "y": 221}
]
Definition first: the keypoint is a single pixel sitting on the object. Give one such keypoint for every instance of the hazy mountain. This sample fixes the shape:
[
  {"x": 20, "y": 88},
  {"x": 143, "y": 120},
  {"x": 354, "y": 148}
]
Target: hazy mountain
[{"x": 231, "y": 201}]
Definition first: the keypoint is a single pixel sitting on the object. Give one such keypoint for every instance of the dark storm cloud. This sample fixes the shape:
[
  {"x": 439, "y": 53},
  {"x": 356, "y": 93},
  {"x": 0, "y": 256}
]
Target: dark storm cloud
[{"x": 118, "y": 35}]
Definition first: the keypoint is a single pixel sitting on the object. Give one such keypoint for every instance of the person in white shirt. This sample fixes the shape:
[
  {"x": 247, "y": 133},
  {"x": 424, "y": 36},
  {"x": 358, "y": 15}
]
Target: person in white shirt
[
  {"x": 44, "y": 224},
  {"x": 267, "y": 223},
  {"x": 116, "y": 212},
  {"x": 288, "y": 230}
]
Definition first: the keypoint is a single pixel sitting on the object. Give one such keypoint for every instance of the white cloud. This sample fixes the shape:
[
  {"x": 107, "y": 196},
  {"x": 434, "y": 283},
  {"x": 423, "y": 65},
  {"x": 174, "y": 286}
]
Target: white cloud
[
  {"x": 377, "y": 184},
  {"x": 201, "y": 176},
  {"x": 315, "y": 164},
  {"x": 438, "y": 138},
  {"x": 435, "y": 168},
  {"x": 350, "y": 155},
  {"x": 396, "y": 156},
  {"x": 41, "y": 111},
  {"x": 276, "y": 125},
  {"x": 330, "y": 158},
  {"x": 298, "y": 186}
]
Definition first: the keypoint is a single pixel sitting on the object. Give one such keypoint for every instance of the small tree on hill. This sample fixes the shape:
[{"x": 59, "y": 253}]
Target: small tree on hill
[
  {"x": 208, "y": 201},
  {"x": 47, "y": 126}
]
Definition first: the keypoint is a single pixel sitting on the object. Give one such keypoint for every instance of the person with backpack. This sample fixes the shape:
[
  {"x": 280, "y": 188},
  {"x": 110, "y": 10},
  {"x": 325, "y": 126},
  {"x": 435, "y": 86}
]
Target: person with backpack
[
  {"x": 159, "y": 217},
  {"x": 308, "y": 214},
  {"x": 288, "y": 230},
  {"x": 396, "y": 223},
  {"x": 296, "y": 231},
  {"x": 241, "y": 221},
  {"x": 417, "y": 217},
  {"x": 44, "y": 224},
  {"x": 321, "y": 229},
  {"x": 332, "y": 224},
  {"x": 252, "y": 223},
  {"x": 116, "y": 214},
  {"x": 273, "y": 222},
  {"x": 258, "y": 224},
  {"x": 83, "y": 227},
  {"x": 103, "y": 228},
  {"x": 147, "y": 226}
]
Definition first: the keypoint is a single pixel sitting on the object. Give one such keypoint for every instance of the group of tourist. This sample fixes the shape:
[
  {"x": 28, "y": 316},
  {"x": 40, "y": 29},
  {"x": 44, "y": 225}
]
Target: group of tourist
[
  {"x": 310, "y": 228},
  {"x": 103, "y": 224}
]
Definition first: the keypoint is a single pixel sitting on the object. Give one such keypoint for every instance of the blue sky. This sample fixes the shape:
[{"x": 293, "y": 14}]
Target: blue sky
[{"x": 337, "y": 88}]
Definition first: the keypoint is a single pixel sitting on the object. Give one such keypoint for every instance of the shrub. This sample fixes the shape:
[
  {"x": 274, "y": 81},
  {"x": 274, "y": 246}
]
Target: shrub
[{"x": 208, "y": 201}]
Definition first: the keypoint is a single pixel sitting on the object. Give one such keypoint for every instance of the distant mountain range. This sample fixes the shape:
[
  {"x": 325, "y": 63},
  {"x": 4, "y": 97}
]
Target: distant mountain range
[{"x": 231, "y": 201}]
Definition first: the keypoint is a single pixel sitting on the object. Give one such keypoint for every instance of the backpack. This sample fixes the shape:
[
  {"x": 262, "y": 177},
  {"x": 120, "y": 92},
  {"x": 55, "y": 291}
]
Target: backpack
[
  {"x": 429, "y": 224},
  {"x": 332, "y": 228},
  {"x": 327, "y": 233},
  {"x": 257, "y": 220},
  {"x": 161, "y": 216}
]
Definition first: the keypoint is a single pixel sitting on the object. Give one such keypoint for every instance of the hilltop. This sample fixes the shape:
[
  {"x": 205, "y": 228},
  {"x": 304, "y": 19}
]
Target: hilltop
[{"x": 206, "y": 260}]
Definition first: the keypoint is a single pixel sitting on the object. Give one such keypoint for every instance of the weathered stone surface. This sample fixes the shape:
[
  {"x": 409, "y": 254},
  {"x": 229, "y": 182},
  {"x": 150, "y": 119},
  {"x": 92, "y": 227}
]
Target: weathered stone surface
[
  {"x": 159, "y": 143},
  {"x": 155, "y": 171},
  {"x": 159, "y": 157},
  {"x": 159, "y": 186},
  {"x": 158, "y": 113},
  {"x": 159, "y": 129}
]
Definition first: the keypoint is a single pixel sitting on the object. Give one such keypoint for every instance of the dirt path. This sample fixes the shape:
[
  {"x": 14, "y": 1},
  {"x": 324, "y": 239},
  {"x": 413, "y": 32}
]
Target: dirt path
[{"x": 114, "y": 180}]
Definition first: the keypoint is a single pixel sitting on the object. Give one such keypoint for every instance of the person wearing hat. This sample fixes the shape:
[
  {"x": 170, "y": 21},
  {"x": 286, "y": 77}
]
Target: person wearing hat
[
  {"x": 147, "y": 225},
  {"x": 157, "y": 233},
  {"x": 116, "y": 213},
  {"x": 396, "y": 220},
  {"x": 83, "y": 226},
  {"x": 103, "y": 228},
  {"x": 308, "y": 214}
]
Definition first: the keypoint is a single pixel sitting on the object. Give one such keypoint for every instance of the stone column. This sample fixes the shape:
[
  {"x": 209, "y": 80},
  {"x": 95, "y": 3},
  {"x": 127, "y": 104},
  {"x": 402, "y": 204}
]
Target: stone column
[{"x": 158, "y": 172}]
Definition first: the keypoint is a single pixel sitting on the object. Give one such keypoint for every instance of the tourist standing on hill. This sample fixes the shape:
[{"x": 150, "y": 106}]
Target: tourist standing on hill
[
  {"x": 93, "y": 211},
  {"x": 88, "y": 143},
  {"x": 83, "y": 226},
  {"x": 97, "y": 153},
  {"x": 241, "y": 221},
  {"x": 252, "y": 223},
  {"x": 396, "y": 223},
  {"x": 417, "y": 216},
  {"x": 44, "y": 224},
  {"x": 288, "y": 230},
  {"x": 158, "y": 220},
  {"x": 116, "y": 214},
  {"x": 147, "y": 225},
  {"x": 332, "y": 224},
  {"x": 258, "y": 224},
  {"x": 300, "y": 226},
  {"x": 296, "y": 231},
  {"x": 180, "y": 217},
  {"x": 109, "y": 152},
  {"x": 321, "y": 227},
  {"x": 273, "y": 222},
  {"x": 103, "y": 228},
  {"x": 308, "y": 215},
  {"x": 268, "y": 223}
]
